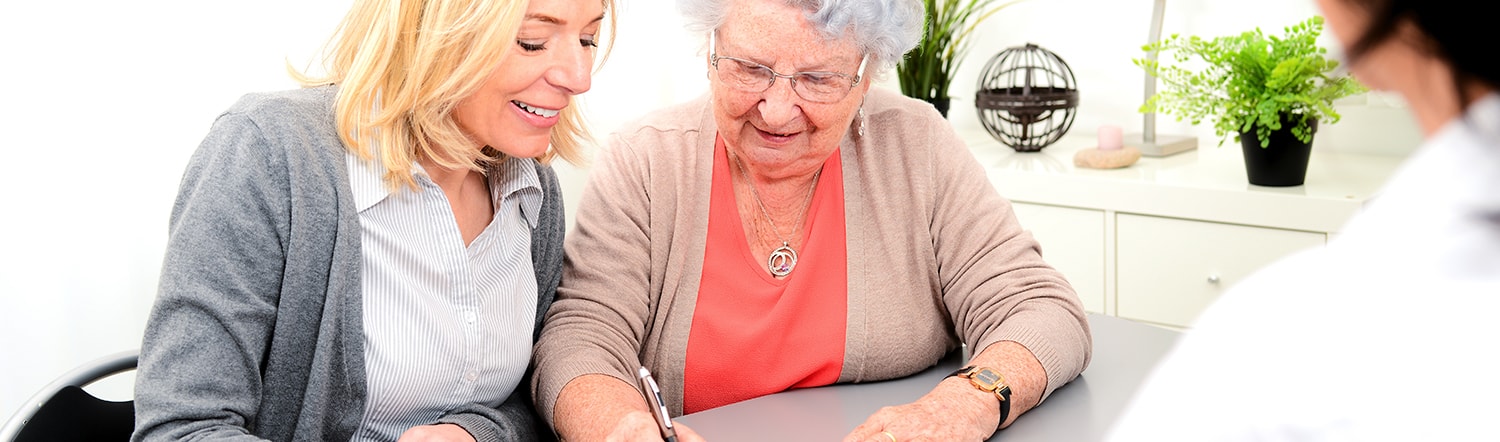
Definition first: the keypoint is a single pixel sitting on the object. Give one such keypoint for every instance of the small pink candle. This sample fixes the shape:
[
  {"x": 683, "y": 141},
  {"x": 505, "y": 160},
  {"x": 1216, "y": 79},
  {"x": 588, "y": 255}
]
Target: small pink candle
[{"x": 1109, "y": 137}]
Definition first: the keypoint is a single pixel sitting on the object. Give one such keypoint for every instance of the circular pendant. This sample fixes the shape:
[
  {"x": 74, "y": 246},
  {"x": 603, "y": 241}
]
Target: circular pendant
[{"x": 782, "y": 260}]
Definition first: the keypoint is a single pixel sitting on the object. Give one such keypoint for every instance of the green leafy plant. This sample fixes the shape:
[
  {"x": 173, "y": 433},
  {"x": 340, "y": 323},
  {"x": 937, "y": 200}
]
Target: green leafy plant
[
  {"x": 1250, "y": 80},
  {"x": 929, "y": 68}
]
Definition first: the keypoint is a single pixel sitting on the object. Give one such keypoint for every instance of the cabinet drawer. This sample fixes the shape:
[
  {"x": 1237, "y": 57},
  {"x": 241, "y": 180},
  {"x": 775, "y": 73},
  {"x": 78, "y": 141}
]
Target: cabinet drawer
[
  {"x": 1169, "y": 269},
  {"x": 1072, "y": 242}
]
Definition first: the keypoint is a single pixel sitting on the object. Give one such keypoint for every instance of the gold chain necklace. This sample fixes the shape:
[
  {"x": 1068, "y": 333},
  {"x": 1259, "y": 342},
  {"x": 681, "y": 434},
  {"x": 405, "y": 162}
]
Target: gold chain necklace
[{"x": 784, "y": 258}]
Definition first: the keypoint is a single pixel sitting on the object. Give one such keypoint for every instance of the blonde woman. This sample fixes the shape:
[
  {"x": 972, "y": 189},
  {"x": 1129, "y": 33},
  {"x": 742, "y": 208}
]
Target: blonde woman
[{"x": 368, "y": 257}]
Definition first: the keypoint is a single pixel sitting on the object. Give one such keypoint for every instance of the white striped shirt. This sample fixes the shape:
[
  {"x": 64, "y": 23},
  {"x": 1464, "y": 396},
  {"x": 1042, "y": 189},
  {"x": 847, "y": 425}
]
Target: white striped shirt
[{"x": 444, "y": 325}]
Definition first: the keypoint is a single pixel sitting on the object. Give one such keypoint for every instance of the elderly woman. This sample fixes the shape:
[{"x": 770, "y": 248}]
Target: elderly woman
[
  {"x": 789, "y": 234},
  {"x": 368, "y": 257}
]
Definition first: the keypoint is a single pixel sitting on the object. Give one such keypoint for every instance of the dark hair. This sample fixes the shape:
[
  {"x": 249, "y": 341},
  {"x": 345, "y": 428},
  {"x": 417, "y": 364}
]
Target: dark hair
[{"x": 1454, "y": 30}]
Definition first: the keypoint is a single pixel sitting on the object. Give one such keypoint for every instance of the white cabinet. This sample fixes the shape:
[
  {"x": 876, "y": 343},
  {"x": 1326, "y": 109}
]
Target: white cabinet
[
  {"x": 1159, "y": 240},
  {"x": 1170, "y": 269}
]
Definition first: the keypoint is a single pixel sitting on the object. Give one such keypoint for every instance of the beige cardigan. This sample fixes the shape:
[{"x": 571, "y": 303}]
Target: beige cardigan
[{"x": 935, "y": 256}]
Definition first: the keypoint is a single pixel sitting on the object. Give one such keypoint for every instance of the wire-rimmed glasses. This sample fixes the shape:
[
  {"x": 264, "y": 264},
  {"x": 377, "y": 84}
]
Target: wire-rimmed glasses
[{"x": 814, "y": 86}]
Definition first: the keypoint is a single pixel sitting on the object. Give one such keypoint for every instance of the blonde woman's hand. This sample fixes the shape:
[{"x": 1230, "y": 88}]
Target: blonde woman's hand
[{"x": 954, "y": 411}]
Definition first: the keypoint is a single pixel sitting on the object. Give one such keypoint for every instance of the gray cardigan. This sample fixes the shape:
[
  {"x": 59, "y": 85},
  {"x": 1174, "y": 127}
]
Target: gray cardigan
[{"x": 256, "y": 331}]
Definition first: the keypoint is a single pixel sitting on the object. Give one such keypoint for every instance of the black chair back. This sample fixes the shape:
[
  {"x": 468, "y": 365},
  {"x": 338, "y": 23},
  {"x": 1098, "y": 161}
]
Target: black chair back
[
  {"x": 75, "y": 415},
  {"x": 63, "y": 411}
]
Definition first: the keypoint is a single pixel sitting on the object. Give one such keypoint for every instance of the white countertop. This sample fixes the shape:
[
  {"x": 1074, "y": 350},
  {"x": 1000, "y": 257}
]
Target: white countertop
[{"x": 1207, "y": 183}]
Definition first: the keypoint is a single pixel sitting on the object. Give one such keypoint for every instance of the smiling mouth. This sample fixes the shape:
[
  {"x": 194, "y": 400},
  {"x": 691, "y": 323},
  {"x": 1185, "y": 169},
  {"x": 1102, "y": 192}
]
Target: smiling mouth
[
  {"x": 774, "y": 134},
  {"x": 542, "y": 112}
]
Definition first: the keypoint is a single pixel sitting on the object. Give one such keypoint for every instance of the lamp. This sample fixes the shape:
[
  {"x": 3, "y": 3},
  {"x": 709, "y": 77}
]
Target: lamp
[{"x": 1148, "y": 141}]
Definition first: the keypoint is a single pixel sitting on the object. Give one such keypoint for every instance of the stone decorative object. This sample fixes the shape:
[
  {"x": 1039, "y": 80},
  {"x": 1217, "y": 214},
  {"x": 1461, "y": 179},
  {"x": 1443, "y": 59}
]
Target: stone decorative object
[
  {"x": 1106, "y": 159},
  {"x": 1111, "y": 153}
]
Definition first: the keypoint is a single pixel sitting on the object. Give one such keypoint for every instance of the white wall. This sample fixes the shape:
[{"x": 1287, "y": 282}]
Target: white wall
[{"x": 102, "y": 102}]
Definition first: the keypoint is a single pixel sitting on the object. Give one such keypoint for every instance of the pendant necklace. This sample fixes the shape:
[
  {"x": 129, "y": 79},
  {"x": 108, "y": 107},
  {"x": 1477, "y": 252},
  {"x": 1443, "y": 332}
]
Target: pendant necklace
[{"x": 783, "y": 259}]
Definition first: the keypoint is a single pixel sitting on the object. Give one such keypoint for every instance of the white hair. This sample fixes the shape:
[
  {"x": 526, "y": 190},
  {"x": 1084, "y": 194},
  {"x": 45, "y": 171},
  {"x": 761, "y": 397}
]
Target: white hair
[{"x": 882, "y": 29}]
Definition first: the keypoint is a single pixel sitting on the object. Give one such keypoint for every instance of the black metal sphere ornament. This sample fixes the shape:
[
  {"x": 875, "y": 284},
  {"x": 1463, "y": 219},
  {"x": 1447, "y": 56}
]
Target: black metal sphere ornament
[{"x": 1027, "y": 97}]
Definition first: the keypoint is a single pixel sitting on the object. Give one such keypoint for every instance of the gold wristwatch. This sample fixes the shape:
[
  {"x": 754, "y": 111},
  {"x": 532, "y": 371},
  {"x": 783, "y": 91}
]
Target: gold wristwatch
[{"x": 987, "y": 379}]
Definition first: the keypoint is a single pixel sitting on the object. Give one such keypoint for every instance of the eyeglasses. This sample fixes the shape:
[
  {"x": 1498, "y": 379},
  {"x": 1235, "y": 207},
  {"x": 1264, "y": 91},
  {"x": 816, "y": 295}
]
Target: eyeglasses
[{"x": 814, "y": 86}]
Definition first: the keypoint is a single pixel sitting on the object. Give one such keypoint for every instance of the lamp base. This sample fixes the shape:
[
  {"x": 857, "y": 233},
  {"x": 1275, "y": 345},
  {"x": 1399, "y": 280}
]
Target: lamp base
[{"x": 1163, "y": 146}]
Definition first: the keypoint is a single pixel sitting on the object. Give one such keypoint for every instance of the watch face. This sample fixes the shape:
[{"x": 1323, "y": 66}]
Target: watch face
[{"x": 986, "y": 379}]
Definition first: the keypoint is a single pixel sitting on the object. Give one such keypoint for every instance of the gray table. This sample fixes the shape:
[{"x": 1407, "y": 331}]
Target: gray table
[{"x": 1124, "y": 353}]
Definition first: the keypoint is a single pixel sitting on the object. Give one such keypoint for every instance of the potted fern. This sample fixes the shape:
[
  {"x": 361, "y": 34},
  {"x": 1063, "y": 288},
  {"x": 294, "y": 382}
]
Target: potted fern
[
  {"x": 929, "y": 68},
  {"x": 1271, "y": 92}
]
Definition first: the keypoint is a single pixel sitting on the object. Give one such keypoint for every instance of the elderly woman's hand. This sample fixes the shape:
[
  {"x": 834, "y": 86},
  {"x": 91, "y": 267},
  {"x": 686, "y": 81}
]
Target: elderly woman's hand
[
  {"x": 954, "y": 411},
  {"x": 436, "y": 433},
  {"x": 640, "y": 426}
]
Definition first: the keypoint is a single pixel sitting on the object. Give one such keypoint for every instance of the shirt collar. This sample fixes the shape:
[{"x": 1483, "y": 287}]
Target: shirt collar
[
  {"x": 366, "y": 180},
  {"x": 517, "y": 176},
  {"x": 512, "y": 177},
  {"x": 1483, "y": 114}
]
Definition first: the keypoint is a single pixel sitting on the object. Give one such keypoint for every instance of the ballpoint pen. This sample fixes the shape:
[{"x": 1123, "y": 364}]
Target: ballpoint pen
[{"x": 658, "y": 407}]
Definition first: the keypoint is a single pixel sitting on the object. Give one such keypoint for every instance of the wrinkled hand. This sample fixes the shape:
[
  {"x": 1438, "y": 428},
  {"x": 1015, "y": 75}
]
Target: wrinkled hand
[
  {"x": 954, "y": 411},
  {"x": 436, "y": 433},
  {"x": 640, "y": 426}
]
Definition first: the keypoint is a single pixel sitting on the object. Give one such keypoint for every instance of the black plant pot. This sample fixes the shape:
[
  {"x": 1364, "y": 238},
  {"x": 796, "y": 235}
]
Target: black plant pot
[
  {"x": 941, "y": 104},
  {"x": 1283, "y": 162}
]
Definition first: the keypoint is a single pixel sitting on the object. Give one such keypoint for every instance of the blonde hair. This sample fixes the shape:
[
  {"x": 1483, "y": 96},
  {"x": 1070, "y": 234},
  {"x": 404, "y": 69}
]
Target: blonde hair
[{"x": 402, "y": 66}]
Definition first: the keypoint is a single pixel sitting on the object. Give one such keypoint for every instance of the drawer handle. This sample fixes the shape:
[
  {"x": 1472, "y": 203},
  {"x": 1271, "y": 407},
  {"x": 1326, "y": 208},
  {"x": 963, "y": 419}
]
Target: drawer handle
[{"x": 1213, "y": 279}]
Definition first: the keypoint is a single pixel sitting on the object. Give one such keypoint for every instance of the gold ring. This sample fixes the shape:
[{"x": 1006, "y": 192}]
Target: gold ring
[{"x": 888, "y": 434}]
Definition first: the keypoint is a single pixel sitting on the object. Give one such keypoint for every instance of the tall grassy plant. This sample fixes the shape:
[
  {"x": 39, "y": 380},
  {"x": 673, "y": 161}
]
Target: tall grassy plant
[
  {"x": 1249, "y": 81},
  {"x": 929, "y": 68}
]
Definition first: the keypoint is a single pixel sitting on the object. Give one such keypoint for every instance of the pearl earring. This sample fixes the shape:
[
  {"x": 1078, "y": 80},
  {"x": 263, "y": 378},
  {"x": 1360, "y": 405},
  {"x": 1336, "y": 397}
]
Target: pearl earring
[{"x": 861, "y": 121}]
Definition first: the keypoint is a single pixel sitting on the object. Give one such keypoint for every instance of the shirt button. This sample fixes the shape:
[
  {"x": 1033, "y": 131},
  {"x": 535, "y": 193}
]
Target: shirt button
[
  {"x": 471, "y": 376},
  {"x": 470, "y": 317}
]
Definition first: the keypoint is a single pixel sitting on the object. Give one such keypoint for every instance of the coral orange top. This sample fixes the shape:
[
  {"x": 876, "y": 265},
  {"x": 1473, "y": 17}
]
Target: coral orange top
[{"x": 752, "y": 334}]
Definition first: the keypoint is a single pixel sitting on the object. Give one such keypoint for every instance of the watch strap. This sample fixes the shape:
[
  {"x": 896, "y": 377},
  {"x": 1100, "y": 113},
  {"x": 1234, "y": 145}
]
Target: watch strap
[{"x": 1002, "y": 390}]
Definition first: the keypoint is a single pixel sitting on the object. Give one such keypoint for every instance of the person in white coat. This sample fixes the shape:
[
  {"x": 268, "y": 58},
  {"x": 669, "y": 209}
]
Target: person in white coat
[{"x": 1389, "y": 332}]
